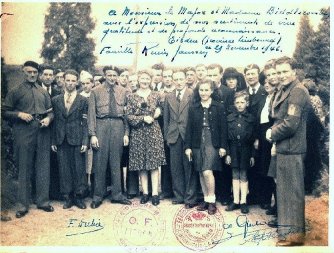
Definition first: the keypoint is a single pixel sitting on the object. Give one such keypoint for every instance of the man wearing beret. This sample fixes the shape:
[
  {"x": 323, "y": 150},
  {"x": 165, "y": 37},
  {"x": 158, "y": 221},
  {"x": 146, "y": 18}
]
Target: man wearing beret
[
  {"x": 29, "y": 107},
  {"x": 289, "y": 111}
]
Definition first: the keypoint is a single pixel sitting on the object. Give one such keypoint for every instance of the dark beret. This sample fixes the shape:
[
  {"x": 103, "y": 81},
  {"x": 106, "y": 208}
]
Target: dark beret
[{"x": 31, "y": 64}]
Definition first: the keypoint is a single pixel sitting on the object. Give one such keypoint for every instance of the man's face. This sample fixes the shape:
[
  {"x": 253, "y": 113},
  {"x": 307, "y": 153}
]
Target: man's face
[
  {"x": 214, "y": 75},
  {"x": 133, "y": 81},
  {"x": 179, "y": 79},
  {"x": 157, "y": 76},
  {"x": 167, "y": 77},
  {"x": 30, "y": 74},
  {"x": 97, "y": 80},
  {"x": 71, "y": 82},
  {"x": 252, "y": 77},
  {"x": 87, "y": 85},
  {"x": 271, "y": 76},
  {"x": 285, "y": 73},
  {"x": 201, "y": 72},
  {"x": 205, "y": 91},
  {"x": 111, "y": 76},
  {"x": 190, "y": 77},
  {"x": 124, "y": 78},
  {"x": 47, "y": 77},
  {"x": 60, "y": 79}
]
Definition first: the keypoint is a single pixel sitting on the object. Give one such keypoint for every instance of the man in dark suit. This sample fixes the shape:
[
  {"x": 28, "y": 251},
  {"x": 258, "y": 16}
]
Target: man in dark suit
[
  {"x": 70, "y": 140},
  {"x": 289, "y": 111},
  {"x": 225, "y": 97},
  {"x": 176, "y": 107},
  {"x": 257, "y": 98},
  {"x": 47, "y": 77}
]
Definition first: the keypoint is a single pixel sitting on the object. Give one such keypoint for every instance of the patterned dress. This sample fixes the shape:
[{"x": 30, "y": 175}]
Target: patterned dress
[{"x": 146, "y": 141}]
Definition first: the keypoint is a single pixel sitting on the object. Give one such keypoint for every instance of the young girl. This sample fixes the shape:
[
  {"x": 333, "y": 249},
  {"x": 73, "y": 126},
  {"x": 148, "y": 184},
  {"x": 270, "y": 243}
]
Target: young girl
[
  {"x": 241, "y": 156},
  {"x": 206, "y": 141}
]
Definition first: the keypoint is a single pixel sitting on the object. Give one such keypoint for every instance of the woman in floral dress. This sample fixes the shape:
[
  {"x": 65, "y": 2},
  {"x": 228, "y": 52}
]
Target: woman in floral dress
[{"x": 146, "y": 142}]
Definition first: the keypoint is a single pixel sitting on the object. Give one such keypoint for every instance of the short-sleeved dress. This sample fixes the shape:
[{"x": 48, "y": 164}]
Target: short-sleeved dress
[{"x": 146, "y": 140}]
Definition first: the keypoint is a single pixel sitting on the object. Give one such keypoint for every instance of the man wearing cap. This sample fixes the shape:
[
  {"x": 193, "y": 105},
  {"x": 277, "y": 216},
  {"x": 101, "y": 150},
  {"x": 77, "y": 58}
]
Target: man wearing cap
[
  {"x": 109, "y": 131},
  {"x": 29, "y": 107}
]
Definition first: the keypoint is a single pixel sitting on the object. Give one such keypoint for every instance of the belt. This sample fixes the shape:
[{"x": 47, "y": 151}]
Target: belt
[{"x": 110, "y": 117}]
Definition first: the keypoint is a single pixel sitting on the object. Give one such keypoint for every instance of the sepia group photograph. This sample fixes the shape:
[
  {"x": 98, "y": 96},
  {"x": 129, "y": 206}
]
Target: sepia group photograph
[{"x": 146, "y": 126}]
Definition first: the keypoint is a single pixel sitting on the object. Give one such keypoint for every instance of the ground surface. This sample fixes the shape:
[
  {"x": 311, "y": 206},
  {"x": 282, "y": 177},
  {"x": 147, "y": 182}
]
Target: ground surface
[{"x": 136, "y": 227}]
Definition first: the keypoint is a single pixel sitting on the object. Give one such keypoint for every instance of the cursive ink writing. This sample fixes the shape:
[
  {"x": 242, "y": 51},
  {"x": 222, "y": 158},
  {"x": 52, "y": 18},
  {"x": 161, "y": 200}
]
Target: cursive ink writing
[
  {"x": 84, "y": 226},
  {"x": 6, "y": 14}
]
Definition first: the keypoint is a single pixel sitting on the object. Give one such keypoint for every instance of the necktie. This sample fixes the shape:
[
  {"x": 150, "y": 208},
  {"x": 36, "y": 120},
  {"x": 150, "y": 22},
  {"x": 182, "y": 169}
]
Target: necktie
[
  {"x": 253, "y": 91},
  {"x": 178, "y": 97},
  {"x": 112, "y": 103},
  {"x": 68, "y": 101}
]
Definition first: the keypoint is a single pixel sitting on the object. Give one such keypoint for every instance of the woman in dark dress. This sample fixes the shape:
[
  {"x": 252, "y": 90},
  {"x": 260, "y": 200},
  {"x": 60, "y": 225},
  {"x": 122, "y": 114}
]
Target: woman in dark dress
[
  {"x": 146, "y": 151},
  {"x": 206, "y": 141}
]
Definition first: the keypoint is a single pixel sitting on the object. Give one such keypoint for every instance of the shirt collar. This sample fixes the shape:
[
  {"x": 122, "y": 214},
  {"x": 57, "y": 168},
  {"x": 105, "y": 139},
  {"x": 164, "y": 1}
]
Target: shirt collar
[
  {"x": 256, "y": 87},
  {"x": 73, "y": 94}
]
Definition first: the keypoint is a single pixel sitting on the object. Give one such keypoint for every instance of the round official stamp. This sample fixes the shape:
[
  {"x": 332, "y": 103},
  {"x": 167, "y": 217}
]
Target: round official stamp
[
  {"x": 197, "y": 230},
  {"x": 139, "y": 225}
]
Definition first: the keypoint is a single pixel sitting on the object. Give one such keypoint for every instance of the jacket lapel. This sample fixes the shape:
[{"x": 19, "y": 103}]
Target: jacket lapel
[
  {"x": 61, "y": 102},
  {"x": 74, "y": 105},
  {"x": 185, "y": 100},
  {"x": 174, "y": 102},
  {"x": 284, "y": 95}
]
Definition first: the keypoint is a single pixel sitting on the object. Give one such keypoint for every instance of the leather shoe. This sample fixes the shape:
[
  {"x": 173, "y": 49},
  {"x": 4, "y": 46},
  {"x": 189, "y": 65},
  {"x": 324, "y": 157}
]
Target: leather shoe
[
  {"x": 272, "y": 211},
  {"x": 177, "y": 202},
  {"x": 47, "y": 208},
  {"x": 244, "y": 208},
  {"x": 224, "y": 202},
  {"x": 165, "y": 196},
  {"x": 68, "y": 204},
  {"x": 95, "y": 204},
  {"x": 189, "y": 206},
  {"x": 130, "y": 196},
  {"x": 286, "y": 243},
  {"x": 20, "y": 214},
  {"x": 144, "y": 199},
  {"x": 203, "y": 206},
  {"x": 79, "y": 203},
  {"x": 265, "y": 206},
  {"x": 122, "y": 202},
  {"x": 212, "y": 209},
  {"x": 273, "y": 223},
  {"x": 155, "y": 200},
  {"x": 232, "y": 206}
]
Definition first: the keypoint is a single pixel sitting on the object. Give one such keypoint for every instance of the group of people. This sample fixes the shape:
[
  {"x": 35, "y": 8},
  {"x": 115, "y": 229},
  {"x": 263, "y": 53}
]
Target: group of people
[{"x": 202, "y": 133}]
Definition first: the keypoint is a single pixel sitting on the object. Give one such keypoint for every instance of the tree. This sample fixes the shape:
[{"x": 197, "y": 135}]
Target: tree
[
  {"x": 303, "y": 51},
  {"x": 66, "y": 38},
  {"x": 320, "y": 47}
]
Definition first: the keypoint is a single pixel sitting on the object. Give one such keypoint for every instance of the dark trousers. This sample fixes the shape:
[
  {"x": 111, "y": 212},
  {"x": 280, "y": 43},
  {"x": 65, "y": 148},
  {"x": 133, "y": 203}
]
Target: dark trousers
[
  {"x": 166, "y": 176},
  {"x": 110, "y": 133},
  {"x": 290, "y": 197},
  {"x": 132, "y": 179},
  {"x": 72, "y": 170},
  {"x": 184, "y": 177},
  {"x": 267, "y": 190},
  {"x": 54, "y": 177},
  {"x": 32, "y": 152},
  {"x": 223, "y": 182}
]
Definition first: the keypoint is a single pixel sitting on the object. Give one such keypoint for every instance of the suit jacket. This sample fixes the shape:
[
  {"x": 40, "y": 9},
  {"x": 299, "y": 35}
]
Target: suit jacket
[
  {"x": 71, "y": 125},
  {"x": 257, "y": 101},
  {"x": 290, "y": 108},
  {"x": 217, "y": 121},
  {"x": 176, "y": 115}
]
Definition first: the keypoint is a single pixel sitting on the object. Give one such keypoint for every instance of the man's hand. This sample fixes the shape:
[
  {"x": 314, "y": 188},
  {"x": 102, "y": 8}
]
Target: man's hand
[
  {"x": 45, "y": 122},
  {"x": 228, "y": 160},
  {"x": 25, "y": 116},
  {"x": 126, "y": 140},
  {"x": 94, "y": 142},
  {"x": 268, "y": 135},
  {"x": 188, "y": 153},
  {"x": 148, "y": 119},
  {"x": 54, "y": 148},
  {"x": 157, "y": 113},
  {"x": 256, "y": 144},
  {"x": 252, "y": 162},
  {"x": 83, "y": 149},
  {"x": 222, "y": 152},
  {"x": 273, "y": 150}
]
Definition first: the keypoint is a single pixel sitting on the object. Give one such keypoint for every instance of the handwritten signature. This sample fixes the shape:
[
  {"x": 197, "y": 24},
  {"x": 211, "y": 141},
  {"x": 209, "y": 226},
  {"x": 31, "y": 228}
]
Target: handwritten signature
[
  {"x": 253, "y": 232},
  {"x": 84, "y": 226}
]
